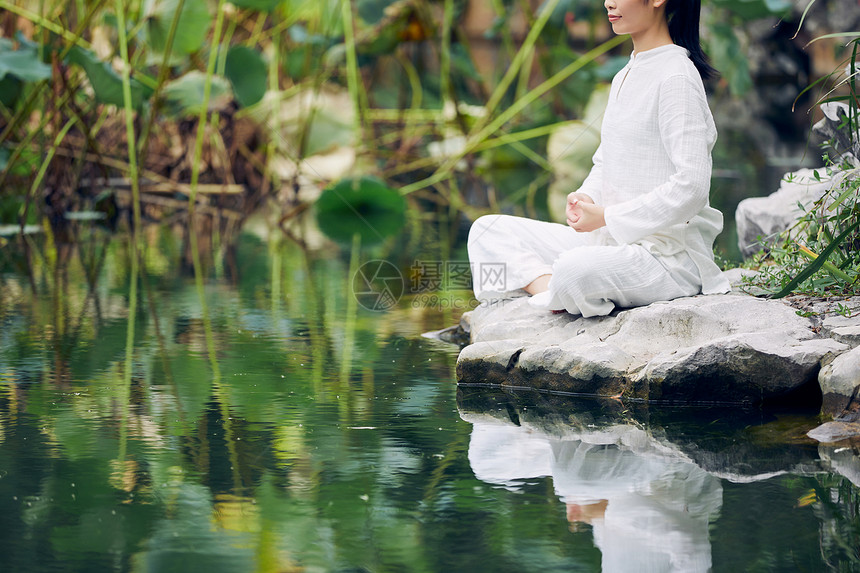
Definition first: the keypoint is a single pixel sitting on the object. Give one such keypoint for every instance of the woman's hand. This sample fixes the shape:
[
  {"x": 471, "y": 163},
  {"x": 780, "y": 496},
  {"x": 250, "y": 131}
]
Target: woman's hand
[{"x": 583, "y": 214}]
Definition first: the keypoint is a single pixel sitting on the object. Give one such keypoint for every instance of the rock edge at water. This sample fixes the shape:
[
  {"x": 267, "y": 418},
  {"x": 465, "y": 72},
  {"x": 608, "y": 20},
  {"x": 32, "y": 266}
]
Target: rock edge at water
[{"x": 731, "y": 348}]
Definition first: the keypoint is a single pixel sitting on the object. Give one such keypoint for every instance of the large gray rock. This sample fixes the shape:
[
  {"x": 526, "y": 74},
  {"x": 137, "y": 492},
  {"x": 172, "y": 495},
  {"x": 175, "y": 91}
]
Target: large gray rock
[
  {"x": 840, "y": 385},
  {"x": 835, "y": 431},
  {"x": 833, "y": 127},
  {"x": 843, "y": 328},
  {"x": 730, "y": 348}
]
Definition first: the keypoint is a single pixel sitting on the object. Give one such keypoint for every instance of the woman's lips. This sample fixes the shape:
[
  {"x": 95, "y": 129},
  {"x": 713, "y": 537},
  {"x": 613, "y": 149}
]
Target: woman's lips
[{"x": 614, "y": 18}]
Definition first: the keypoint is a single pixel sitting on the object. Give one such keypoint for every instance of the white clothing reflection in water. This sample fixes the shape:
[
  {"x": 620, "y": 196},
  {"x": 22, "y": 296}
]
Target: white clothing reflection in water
[{"x": 648, "y": 504}]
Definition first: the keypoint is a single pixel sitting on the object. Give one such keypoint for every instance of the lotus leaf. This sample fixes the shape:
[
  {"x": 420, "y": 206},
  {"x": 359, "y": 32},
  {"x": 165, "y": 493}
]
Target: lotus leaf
[
  {"x": 23, "y": 63},
  {"x": 194, "y": 23},
  {"x": 106, "y": 83},
  {"x": 365, "y": 206},
  {"x": 184, "y": 96},
  {"x": 247, "y": 71}
]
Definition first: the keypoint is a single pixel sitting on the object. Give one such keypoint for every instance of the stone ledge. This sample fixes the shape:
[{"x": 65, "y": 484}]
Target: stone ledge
[{"x": 731, "y": 348}]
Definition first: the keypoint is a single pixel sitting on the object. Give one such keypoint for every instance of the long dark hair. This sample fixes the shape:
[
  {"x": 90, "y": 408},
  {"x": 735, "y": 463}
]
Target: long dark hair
[{"x": 683, "y": 18}]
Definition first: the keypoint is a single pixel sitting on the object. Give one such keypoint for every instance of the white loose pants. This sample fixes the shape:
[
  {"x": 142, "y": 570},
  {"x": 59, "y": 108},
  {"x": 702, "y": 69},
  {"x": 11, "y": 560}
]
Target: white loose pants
[{"x": 508, "y": 253}]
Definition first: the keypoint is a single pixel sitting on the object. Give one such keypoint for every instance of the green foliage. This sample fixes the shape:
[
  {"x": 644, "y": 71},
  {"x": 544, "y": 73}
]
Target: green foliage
[
  {"x": 820, "y": 254},
  {"x": 724, "y": 43},
  {"x": 192, "y": 29},
  {"x": 184, "y": 96},
  {"x": 258, "y": 5},
  {"x": 372, "y": 11},
  {"x": 753, "y": 9},
  {"x": 462, "y": 63},
  {"x": 10, "y": 91},
  {"x": 304, "y": 59},
  {"x": 411, "y": 57},
  {"x": 27, "y": 163},
  {"x": 321, "y": 16},
  {"x": 248, "y": 74},
  {"x": 364, "y": 206},
  {"x": 729, "y": 57},
  {"x": 23, "y": 63},
  {"x": 106, "y": 83},
  {"x": 17, "y": 67}
]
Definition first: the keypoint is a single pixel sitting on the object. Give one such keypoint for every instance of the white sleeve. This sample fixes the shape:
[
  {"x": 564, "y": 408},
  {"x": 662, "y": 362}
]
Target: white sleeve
[
  {"x": 688, "y": 134},
  {"x": 593, "y": 184}
]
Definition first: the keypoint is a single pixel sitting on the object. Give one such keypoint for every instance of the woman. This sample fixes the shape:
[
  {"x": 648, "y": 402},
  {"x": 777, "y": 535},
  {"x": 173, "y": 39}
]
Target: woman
[{"x": 639, "y": 229}]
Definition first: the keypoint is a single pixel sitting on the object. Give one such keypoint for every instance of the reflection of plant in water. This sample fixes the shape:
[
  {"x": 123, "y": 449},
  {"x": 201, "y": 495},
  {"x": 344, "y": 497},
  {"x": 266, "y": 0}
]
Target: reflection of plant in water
[
  {"x": 837, "y": 504},
  {"x": 248, "y": 463}
]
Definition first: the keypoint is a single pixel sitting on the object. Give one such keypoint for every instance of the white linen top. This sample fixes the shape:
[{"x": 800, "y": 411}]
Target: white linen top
[{"x": 652, "y": 170}]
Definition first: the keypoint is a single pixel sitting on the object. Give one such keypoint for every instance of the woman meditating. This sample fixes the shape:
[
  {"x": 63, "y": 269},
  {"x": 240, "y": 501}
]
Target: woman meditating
[{"x": 640, "y": 228}]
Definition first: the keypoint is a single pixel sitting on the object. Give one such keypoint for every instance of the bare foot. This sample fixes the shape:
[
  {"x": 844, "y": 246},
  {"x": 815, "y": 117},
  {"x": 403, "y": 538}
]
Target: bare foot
[{"x": 538, "y": 285}]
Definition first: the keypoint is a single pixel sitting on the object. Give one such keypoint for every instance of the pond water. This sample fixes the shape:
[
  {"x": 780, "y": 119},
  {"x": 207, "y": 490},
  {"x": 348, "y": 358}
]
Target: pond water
[{"x": 264, "y": 419}]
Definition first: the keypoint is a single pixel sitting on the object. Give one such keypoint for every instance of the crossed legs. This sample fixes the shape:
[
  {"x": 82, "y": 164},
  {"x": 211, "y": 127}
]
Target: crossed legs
[{"x": 563, "y": 270}]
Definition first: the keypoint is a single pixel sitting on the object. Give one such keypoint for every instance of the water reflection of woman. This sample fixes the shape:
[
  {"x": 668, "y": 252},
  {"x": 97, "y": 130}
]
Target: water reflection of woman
[
  {"x": 648, "y": 511},
  {"x": 648, "y": 505},
  {"x": 507, "y": 455}
]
